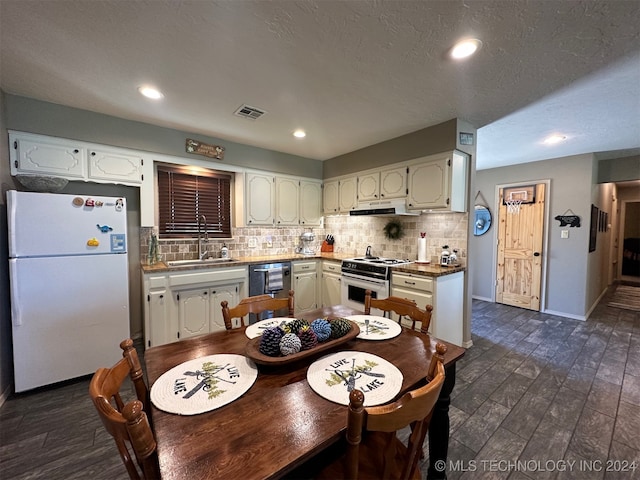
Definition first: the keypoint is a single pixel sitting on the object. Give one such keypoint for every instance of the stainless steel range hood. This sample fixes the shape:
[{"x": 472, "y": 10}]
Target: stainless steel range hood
[{"x": 383, "y": 208}]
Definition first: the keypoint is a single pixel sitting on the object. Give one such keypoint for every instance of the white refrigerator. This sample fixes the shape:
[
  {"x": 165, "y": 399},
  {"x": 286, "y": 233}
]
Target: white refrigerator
[{"x": 69, "y": 285}]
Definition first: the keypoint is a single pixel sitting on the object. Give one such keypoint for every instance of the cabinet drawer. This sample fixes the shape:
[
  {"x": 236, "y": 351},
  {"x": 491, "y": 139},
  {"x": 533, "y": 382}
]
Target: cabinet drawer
[
  {"x": 412, "y": 281},
  {"x": 157, "y": 282},
  {"x": 331, "y": 267},
  {"x": 303, "y": 267}
]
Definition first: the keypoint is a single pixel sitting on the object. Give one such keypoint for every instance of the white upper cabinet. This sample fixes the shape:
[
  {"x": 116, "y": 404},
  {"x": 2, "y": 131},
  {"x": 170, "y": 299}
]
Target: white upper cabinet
[
  {"x": 310, "y": 202},
  {"x": 382, "y": 184},
  {"x": 47, "y": 155},
  {"x": 40, "y": 154},
  {"x": 438, "y": 182},
  {"x": 116, "y": 166},
  {"x": 287, "y": 193},
  {"x": 280, "y": 200},
  {"x": 260, "y": 198},
  {"x": 348, "y": 194},
  {"x": 330, "y": 197}
]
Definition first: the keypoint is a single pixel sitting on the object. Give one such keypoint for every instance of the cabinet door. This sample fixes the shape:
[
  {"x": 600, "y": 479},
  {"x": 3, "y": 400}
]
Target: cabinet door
[
  {"x": 368, "y": 187},
  {"x": 393, "y": 183},
  {"x": 310, "y": 203},
  {"x": 106, "y": 165},
  {"x": 429, "y": 184},
  {"x": 260, "y": 199},
  {"x": 305, "y": 287},
  {"x": 287, "y": 193},
  {"x": 49, "y": 156},
  {"x": 331, "y": 284},
  {"x": 193, "y": 312},
  {"x": 330, "y": 197},
  {"x": 422, "y": 299},
  {"x": 218, "y": 294},
  {"x": 157, "y": 325},
  {"x": 348, "y": 196}
]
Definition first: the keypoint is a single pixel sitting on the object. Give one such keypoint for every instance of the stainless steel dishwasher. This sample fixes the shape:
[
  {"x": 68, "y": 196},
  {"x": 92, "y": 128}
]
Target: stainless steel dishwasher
[{"x": 259, "y": 284}]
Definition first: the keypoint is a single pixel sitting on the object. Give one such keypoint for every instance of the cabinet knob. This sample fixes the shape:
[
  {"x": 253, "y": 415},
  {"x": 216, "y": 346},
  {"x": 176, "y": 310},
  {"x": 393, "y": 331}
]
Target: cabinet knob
[
  {"x": 161, "y": 297},
  {"x": 76, "y": 150},
  {"x": 93, "y": 154}
]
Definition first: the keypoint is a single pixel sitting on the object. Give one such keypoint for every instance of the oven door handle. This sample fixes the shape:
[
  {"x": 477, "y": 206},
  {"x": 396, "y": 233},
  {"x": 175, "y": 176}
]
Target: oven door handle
[{"x": 365, "y": 279}]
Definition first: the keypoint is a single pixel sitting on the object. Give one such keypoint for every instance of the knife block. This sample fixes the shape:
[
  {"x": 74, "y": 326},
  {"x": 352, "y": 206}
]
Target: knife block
[{"x": 325, "y": 247}]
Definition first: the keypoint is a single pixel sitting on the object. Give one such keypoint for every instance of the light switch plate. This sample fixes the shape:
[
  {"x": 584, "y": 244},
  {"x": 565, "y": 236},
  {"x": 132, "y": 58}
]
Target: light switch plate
[
  {"x": 253, "y": 242},
  {"x": 564, "y": 233}
]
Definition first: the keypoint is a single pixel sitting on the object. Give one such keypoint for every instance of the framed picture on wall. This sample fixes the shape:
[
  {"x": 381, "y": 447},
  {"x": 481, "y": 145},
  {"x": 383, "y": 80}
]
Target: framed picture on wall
[{"x": 593, "y": 232}]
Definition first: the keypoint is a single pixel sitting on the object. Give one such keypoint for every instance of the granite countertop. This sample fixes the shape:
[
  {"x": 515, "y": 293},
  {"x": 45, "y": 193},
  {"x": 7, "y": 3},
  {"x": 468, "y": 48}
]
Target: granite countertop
[{"x": 415, "y": 268}]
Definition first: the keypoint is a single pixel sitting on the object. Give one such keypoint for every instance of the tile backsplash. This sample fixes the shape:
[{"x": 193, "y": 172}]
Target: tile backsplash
[{"x": 352, "y": 236}]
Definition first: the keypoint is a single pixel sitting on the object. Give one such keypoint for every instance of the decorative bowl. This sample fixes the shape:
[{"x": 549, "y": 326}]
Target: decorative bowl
[
  {"x": 253, "y": 348},
  {"x": 40, "y": 183}
]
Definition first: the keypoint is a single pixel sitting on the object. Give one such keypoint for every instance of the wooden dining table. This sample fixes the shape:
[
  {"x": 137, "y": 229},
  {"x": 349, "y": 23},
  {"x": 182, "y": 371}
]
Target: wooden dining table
[{"x": 280, "y": 422}]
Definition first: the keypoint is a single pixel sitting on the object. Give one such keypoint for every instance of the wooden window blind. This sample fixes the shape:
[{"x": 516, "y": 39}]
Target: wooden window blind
[{"x": 183, "y": 196}]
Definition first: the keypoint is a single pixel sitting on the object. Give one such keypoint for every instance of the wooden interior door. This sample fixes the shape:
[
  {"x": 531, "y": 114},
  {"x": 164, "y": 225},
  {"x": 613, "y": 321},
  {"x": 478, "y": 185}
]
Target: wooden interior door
[{"x": 520, "y": 241}]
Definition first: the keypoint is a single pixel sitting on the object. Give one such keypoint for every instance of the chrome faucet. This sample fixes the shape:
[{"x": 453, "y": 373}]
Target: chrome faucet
[{"x": 202, "y": 254}]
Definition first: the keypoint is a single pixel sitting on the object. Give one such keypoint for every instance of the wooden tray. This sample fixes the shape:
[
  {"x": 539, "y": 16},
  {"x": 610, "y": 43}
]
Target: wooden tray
[{"x": 253, "y": 349}]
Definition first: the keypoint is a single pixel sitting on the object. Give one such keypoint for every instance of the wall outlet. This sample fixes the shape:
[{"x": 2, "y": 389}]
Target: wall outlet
[
  {"x": 564, "y": 233},
  {"x": 253, "y": 242}
]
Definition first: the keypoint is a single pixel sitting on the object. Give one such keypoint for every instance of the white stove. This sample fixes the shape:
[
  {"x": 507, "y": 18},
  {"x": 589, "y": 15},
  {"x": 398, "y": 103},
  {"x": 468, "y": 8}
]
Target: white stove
[{"x": 366, "y": 273}]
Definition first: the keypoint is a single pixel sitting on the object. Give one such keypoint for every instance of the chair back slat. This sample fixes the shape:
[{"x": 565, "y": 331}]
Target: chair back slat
[
  {"x": 256, "y": 304},
  {"x": 403, "y": 307}
]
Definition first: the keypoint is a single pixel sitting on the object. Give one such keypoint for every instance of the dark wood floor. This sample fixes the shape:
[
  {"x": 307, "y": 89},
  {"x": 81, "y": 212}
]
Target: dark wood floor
[{"x": 534, "y": 388}]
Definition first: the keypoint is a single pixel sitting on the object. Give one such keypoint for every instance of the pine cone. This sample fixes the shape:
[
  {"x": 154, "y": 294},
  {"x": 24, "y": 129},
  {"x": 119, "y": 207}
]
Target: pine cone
[
  {"x": 307, "y": 337},
  {"x": 322, "y": 329},
  {"x": 290, "y": 344},
  {"x": 270, "y": 341},
  {"x": 294, "y": 325},
  {"x": 339, "y": 327}
]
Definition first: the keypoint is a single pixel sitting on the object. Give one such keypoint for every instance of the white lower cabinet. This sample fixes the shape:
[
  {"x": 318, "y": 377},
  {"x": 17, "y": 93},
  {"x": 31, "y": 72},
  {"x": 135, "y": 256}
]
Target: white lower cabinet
[
  {"x": 331, "y": 283},
  {"x": 186, "y": 304},
  {"x": 444, "y": 293},
  {"x": 305, "y": 285}
]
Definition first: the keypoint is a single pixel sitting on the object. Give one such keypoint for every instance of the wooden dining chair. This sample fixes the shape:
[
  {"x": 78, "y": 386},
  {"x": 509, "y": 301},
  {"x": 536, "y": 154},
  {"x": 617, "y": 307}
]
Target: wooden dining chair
[
  {"x": 403, "y": 307},
  {"x": 127, "y": 423},
  {"x": 371, "y": 448},
  {"x": 256, "y": 304}
]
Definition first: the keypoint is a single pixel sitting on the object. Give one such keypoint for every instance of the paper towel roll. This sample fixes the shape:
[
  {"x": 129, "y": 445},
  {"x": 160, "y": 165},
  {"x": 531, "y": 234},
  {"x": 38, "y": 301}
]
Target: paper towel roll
[{"x": 422, "y": 250}]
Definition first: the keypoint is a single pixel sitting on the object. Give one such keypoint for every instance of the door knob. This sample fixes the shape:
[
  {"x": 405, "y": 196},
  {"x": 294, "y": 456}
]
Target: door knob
[{"x": 536, "y": 254}]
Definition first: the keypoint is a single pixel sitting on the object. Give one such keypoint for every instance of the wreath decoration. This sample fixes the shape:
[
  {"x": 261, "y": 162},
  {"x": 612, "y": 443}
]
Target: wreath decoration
[{"x": 393, "y": 230}]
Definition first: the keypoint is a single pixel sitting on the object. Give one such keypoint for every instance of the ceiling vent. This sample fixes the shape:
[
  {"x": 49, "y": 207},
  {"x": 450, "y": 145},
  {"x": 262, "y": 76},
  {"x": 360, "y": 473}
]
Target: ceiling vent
[{"x": 249, "y": 112}]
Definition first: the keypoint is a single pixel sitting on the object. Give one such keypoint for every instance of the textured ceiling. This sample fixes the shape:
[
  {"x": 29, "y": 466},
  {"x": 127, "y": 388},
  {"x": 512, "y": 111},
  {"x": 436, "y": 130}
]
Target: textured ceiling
[{"x": 351, "y": 73}]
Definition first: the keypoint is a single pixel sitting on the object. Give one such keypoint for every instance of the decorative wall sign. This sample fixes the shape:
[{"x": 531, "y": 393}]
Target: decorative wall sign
[
  {"x": 568, "y": 218},
  {"x": 199, "y": 148}
]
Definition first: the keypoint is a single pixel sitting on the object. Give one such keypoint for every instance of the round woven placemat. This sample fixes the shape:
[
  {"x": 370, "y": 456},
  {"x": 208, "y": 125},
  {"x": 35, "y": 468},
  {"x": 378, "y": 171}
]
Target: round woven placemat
[
  {"x": 335, "y": 375},
  {"x": 203, "y": 384}
]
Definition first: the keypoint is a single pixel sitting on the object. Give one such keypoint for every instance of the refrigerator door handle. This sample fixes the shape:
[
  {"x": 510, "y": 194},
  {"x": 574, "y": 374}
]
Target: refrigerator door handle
[{"x": 15, "y": 300}]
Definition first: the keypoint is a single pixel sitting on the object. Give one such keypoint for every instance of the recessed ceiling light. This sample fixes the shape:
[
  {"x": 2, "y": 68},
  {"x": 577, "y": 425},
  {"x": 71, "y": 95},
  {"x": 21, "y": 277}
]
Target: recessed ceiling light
[
  {"x": 150, "y": 92},
  {"x": 465, "y": 48},
  {"x": 300, "y": 134},
  {"x": 553, "y": 139}
]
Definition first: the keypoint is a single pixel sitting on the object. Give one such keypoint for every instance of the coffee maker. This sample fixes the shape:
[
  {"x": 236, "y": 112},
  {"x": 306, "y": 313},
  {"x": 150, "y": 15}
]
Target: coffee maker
[{"x": 306, "y": 244}]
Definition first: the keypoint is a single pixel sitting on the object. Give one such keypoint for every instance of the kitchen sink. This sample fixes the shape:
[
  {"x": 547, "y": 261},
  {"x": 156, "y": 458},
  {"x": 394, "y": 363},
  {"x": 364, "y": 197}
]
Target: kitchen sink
[{"x": 207, "y": 261}]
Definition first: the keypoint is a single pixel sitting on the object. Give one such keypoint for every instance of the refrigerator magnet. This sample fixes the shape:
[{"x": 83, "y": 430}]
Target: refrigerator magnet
[
  {"x": 90, "y": 202},
  {"x": 99, "y": 203},
  {"x": 118, "y": 243},
  {"x": 119, "y": 204},
  {"x": 104, "y": 228},
  {"x": 78, "y": 201},
  {"x": 93, "y": 242}
]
